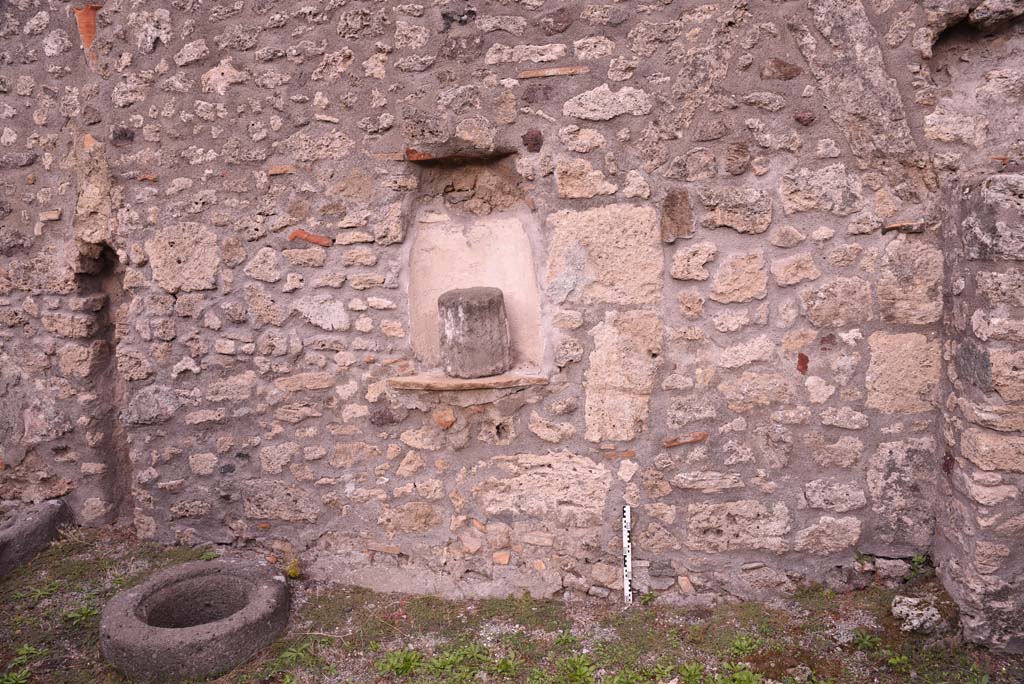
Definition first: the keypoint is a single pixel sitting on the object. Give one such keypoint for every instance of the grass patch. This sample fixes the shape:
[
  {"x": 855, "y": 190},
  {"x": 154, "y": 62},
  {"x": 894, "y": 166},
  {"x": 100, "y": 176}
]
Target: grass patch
[
  {"x": 547, "y": 614},
  {"x": 50, "y": 607},
  {"x": 343, "y": 635}
]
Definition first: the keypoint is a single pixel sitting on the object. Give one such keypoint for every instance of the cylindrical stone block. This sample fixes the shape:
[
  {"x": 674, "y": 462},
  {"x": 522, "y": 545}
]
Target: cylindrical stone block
[{"x": 475, "y": 341}]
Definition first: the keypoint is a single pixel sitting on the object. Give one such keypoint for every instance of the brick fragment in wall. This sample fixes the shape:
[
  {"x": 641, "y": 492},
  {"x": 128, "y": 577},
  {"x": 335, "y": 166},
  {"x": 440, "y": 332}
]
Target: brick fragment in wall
[{"x": 676, "y": 215}]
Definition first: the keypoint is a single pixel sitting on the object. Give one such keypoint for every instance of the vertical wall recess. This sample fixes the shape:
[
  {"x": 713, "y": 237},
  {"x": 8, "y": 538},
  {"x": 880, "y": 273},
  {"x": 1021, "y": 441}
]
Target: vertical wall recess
[{"x": 101, "y": 294}]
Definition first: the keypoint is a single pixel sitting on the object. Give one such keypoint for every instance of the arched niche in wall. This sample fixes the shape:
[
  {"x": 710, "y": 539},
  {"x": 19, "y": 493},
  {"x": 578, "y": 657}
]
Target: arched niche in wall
[{"x": 471, "y": 227}]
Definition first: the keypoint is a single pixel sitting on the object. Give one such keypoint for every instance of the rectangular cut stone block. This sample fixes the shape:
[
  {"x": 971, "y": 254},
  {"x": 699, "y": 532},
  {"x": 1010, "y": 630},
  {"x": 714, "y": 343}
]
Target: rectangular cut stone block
[
  {"x": 1008, "y": 373},
  {"x": 993, "y": 451},
  {"x": 561, "y": 489},
  {"x": 610, "y": 254},
  {"x": 901, "y": 487},
  {"x": 620, "y": 377},
  {"x": 747, "y": 524},
  {"x": 903, "y": 374},
  {"x": 993, "y": 228},
  {"x": 1002, "y": 288},
  {"x": 994, "y": 417},
  {"x": 474, "y": 334},
  {"x": 74, "y": 326}
]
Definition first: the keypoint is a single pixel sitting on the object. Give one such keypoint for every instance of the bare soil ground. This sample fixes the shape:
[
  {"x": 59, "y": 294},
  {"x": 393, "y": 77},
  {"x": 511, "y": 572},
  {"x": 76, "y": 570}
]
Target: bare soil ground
[{"x": 49, "y": 616}]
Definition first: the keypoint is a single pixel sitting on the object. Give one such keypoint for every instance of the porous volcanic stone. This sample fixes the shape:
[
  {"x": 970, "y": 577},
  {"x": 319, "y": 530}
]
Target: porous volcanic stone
[
  {"x": 474, "y": 333},
  {"x": 193, "y": 621},
  {"x": 27, "y": 531}
]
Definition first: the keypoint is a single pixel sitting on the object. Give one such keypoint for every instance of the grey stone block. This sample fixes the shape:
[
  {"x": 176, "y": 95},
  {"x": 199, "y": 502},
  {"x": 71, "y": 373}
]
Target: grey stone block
[
  {"x": 27, "y": 531},
  {"x": 474, "y": 333}
]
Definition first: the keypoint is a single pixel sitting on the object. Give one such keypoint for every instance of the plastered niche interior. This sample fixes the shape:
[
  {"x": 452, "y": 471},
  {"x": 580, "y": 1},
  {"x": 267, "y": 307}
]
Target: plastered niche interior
[{"x": 471, "y": 229}]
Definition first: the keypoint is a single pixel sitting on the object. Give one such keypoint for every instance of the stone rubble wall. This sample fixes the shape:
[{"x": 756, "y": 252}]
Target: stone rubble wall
[
  {"x": 982, "y": 516},
  {"x": 775, "y": 249},
  {"x": 977, "y": 546}
]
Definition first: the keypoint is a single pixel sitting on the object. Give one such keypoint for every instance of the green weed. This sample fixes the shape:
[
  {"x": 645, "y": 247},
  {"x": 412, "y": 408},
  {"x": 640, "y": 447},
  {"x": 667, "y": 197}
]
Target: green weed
[
  {"x": 745, "y": 645},
  {"x": 299, "y": 653},
  {"x": 443, "y": 663},
  {"x": 538, "y": 676},
  {"x": 21, "y": 676},
  {"x": 900, "y": 663},
  {"x": 81, "y": 616},
  {"x": 626, "y": 677},
  {"x": 400, "y": 663},
  {"x": 37, "y": 594},
  {"x": 737, "y": 673},
  {"x": 920, "y": 566},
  {"x": 865, "y": 641},
  {"x": 26, "y": 655},
  {"x": 465, "y": 658},
  {"x": 506, "y": 667},
  {"x": 566, "y": 641},
  {"x": 691, "y": 673},
  {"x": 576, "y": 669},
  {"x": 662, "y": 671}
]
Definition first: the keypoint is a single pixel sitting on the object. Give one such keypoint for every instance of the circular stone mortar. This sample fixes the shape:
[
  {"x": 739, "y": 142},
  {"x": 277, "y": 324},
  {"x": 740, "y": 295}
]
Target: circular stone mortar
[{"x": 194, "y": 620}]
